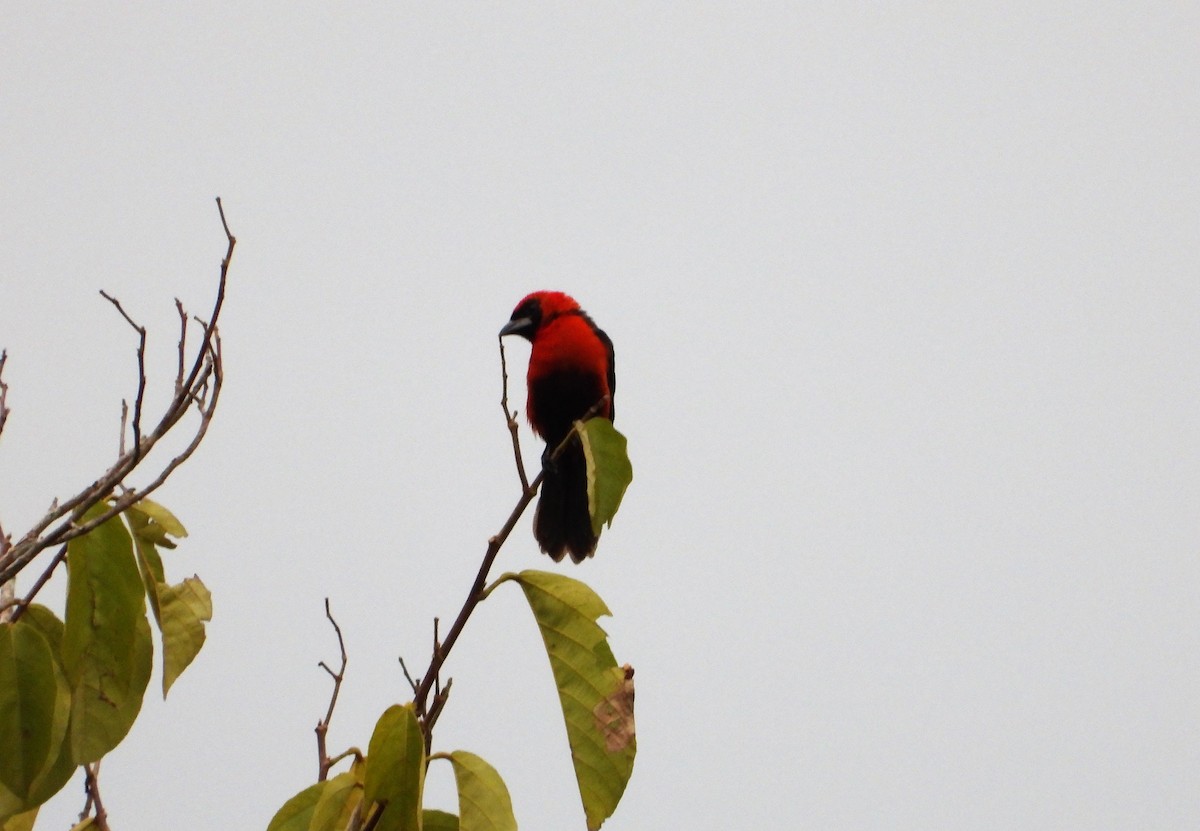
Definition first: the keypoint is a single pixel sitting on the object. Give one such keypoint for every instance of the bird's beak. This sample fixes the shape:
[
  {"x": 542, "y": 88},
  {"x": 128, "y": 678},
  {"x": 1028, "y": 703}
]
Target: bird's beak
[{"x": 522, "y": 326}]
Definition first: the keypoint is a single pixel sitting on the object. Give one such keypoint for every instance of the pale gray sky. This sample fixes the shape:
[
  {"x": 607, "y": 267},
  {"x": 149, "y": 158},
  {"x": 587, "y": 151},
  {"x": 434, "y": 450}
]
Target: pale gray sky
[{"x": 905, "y": 306}]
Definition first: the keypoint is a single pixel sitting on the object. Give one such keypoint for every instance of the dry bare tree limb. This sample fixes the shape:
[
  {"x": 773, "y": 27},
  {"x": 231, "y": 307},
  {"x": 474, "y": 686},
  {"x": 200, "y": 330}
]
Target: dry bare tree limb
[
  {"x": 93, "y": 806},
  {"x": 141, "y": 391},
  {"x": 43, "y": 578},
  {"x": 199, "y": 388},
  {"x": 510, "y": 416},
  {"x": 324, "y": 763},
  {"x": 3, "y": 390}
]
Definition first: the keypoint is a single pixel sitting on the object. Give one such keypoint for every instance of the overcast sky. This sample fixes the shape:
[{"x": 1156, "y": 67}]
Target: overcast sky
[{"x": 905, "y": 304}]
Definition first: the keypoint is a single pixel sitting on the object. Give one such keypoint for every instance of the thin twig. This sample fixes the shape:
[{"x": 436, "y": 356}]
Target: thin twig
[
  {"x": 324, "y": 763},
  {"x": 183, "y": 323},
  {"x": 94, "y": 805},
  {"x": 3, "y": 390},
  {"x": 510, "y": 416},
  {"x": 141, "y": 361},
  {"x": 43, "y": 578},
  {"x": 408, "y": 676}
]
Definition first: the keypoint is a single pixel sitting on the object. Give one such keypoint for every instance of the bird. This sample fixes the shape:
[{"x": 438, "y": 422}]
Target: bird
[{"x": 572, "y": 374}]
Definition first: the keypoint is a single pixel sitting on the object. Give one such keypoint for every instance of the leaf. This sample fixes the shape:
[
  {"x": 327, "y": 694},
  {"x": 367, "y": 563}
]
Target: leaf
[
  {"x": 106, "y": 649},
  {"x": 160, "y": 516},
  {"x": 60, "y": 771},
  {"x": 432, "y": 820},
  {"x": 608, "y": 469},
  {"x": 296, "y": 814},
  {"x": 150, "y": 566},
  {"x": 590, "y": 685},
  {"x": 483, "y": 800},
  {"x": 341, "y": 795},
  {"x": 184, "y": 609},
  {"x": 19, "y": 822},
  {"x": 395, "y": 774},
  {"x": 35, "y": 704}
]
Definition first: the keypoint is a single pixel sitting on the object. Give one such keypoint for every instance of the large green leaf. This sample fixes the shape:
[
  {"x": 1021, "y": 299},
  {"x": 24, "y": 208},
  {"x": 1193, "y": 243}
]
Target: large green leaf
[
  {"x": 184, "y": 609},
  {"x": 483, "y": 800},
  {"x": 296, "y": 814},
  {"x": 395, "y": 776},
  {"x": 596, "y": 695},
  {"x": 35, "y": 705},
  {"x": 608, "y": 469},
  {"x": 106, "y": 649}
]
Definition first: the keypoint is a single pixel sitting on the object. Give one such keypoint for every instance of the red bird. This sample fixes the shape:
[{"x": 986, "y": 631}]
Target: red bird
[{"x": 571, "y": 371}]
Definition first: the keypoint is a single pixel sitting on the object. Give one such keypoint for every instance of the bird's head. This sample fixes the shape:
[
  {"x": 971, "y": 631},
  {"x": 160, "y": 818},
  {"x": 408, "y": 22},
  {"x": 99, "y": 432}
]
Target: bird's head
[{"x": 536, "y": 311}]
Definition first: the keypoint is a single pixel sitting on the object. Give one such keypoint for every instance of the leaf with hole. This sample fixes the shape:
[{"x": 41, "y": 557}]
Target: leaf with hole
[{"x": 596, "y": 695}]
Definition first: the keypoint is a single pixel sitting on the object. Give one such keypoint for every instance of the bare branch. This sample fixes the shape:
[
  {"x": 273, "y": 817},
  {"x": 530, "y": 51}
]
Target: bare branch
[
  {"x": 324, "y": 763},
  {"x": 93, "y": 806},
  {"x": 3, "y": 390},
  {"x": 141, "y": 360},
  {"x": 199, "y": 389},
  {"x": 510, "y": 416},
  {"x": 408, "y": 676},
  {"x": 43, "y": 578},
  {"x": 182, "y": 345}
]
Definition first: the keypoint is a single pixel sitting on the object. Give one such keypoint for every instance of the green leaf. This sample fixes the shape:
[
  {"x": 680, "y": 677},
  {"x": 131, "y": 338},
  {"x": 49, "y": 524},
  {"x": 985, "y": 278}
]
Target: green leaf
[
  {"x": 395, "y": 774},
  {"x": 47, "y": 623},
  {"x": 184, "y": 608},
  {"x": 35, "y": 704},
  {"x": 608, "y": 469},
  {"x": 296, "y": 814},
  {"x": 432, "y": 820},
  {"x": 60, "y": 771},
  {"x": 341, "y": 795},
  {"x": 593, "y": 690},
  {"x": 483, "y": 801},
  {"x": 106, "y": 649}
]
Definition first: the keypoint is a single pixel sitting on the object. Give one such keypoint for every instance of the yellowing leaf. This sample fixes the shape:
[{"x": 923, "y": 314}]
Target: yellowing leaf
[
  {"x": 395, "y": 776},
  {"x": 608, "y": 469},
  {"x": 184, "y": 609},
  {"x": 483, "y": 800},
  {"x": 160, "y": 516},
  {"x": 597, "y": 701}
]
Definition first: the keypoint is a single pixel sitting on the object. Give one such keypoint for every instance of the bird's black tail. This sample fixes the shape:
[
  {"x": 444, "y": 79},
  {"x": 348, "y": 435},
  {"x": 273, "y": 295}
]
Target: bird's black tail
[{"x": 562, "y": 523}]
